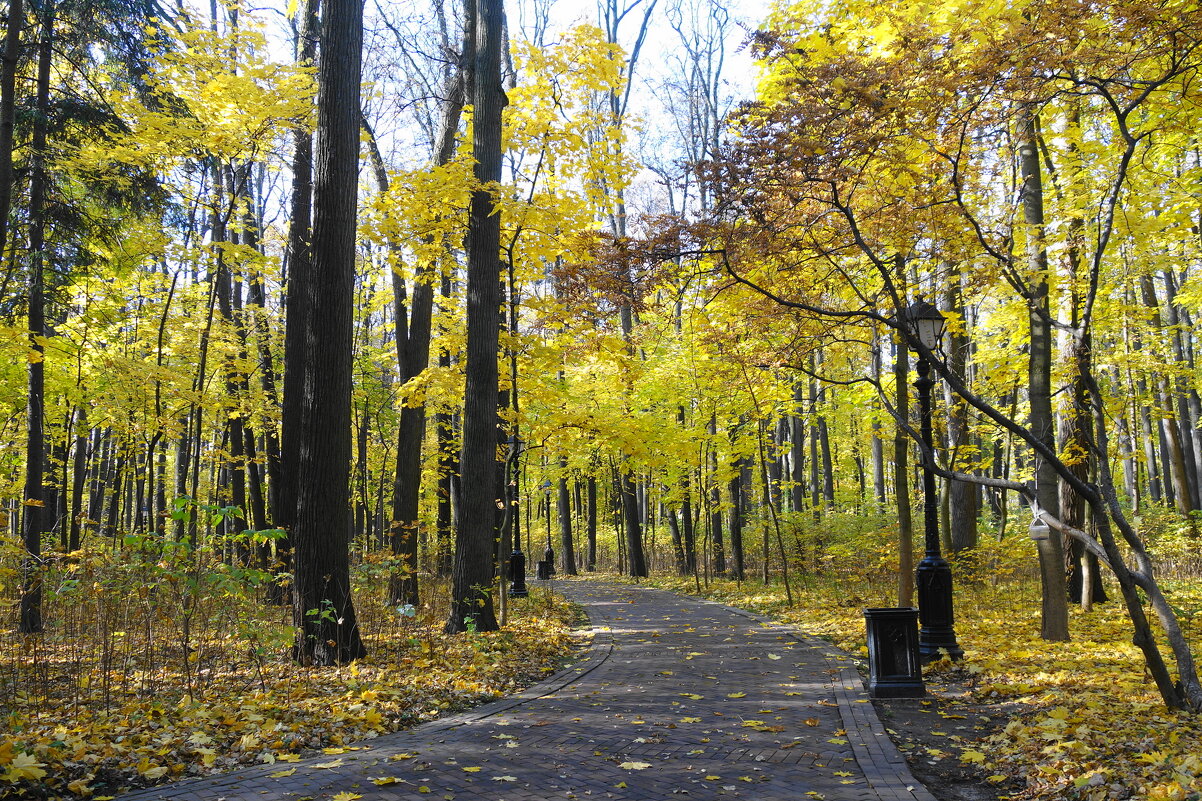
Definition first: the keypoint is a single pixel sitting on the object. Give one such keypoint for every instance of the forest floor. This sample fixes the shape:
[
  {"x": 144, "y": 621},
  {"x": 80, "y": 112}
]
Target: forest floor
[{"x": 930, "y": 733}]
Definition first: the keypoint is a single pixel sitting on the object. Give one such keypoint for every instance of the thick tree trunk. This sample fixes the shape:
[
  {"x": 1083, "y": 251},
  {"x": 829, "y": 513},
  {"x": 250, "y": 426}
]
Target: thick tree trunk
[
  {"x": 1051, "y": 553},
  {"x": 563, "y": 508},
  {"x": 299, "y": 264},
  {"x": 323, "y": 612},
  {"x": 471, "y": 601},
  {"x": 636, "y": 562},
  {"x": 30, "y": 620}
]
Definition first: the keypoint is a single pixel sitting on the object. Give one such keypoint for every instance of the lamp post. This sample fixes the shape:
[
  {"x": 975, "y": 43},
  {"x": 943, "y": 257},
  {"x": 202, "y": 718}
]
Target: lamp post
[
  {"x": 547, "y": 566},
  {"x": 934, "y": 576},
  {"x": 517, "y": 559}
]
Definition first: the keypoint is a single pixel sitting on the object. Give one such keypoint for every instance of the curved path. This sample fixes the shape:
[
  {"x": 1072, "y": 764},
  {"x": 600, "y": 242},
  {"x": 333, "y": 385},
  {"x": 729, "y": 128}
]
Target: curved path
[{"x": 677, "y": 697}]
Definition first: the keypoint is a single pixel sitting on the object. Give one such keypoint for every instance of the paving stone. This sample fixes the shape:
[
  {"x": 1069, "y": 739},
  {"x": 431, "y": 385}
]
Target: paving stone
[{"x": 677, "y": 698}]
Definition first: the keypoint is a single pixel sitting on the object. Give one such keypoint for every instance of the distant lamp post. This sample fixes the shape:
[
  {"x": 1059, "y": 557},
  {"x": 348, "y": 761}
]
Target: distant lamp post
[
  {"x": 517, "y": 559},
  {"x": 936, "y": 632},
  {"x": 546, "y": 566}
]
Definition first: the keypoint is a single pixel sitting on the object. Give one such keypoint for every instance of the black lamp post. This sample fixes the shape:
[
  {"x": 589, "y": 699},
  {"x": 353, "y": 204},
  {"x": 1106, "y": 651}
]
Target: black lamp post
[
  {"x": 517, "y": 559},
  {"x": 936, "y": 632}
]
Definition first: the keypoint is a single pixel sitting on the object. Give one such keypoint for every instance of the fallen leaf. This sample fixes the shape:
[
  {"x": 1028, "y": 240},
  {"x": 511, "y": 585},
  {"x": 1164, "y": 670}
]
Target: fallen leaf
[
  {"x": 337, "y": 763},
  {"x": 635, "y": 765},
  {"x": 24, "y": 766},
  {"x": 279, "y": 774}
]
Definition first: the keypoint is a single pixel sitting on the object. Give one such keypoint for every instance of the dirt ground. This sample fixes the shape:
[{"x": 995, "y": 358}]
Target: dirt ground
[{"x": 932, "y": 731}]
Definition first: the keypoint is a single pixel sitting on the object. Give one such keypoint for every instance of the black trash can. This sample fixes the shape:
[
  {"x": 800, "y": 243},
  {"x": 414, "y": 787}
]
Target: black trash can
[
  {"x": 544, "y": 570},
  {"x": 894, "y": 669}
]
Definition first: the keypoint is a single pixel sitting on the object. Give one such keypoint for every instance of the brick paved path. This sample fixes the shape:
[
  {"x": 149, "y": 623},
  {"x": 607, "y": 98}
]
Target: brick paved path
[{"x": 677, "y": 697}]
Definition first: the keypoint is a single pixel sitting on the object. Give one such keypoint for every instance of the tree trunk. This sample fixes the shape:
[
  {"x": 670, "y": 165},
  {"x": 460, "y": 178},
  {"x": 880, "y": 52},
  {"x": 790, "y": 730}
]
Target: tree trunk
[
  {"x": 471, "y": 601},
  {"x": 901, "y": 479},
  {"x": 8, "y": 106},
  {"x": 719, "y": 550},
  {"x": 1172, "y": 450},
  {"x": 323, "y": 611},
  {"x": 30, "y": 620},
  {"x": 299, "y": 263},
  {"x": 736, "y": 568},
  {"x": 563, "y": 507},
  {"x": 797, "y": 443},
  {"x": 878, "y": 443},
  {"x": 962, "y": 496},
  {"x": 1051, "y": 553},
  {"x": 591, "y": 558}
]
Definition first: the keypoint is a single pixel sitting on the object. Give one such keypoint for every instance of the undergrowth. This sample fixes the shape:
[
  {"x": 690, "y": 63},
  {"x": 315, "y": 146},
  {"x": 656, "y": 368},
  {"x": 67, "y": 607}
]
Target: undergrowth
[{"x": 163, "y": 663}]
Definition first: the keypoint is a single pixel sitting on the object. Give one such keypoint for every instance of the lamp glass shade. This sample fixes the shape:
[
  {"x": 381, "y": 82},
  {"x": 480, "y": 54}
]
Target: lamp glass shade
[{"x": 927, "y": 323}]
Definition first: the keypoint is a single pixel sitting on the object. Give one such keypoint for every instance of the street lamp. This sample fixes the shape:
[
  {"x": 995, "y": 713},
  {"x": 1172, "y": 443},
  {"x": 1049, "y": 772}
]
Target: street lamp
[
  {"x": 547, "y": 566},
  {"x": 517, "y": 559},
  {"x": 936, "y": 632}
]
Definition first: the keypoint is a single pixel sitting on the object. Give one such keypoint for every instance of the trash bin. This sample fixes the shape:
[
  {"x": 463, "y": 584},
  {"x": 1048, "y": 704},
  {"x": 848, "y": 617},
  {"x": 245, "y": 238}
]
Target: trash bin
[
  {"x": 894, "y": 669},
  {"x": 544, "y": 570}
]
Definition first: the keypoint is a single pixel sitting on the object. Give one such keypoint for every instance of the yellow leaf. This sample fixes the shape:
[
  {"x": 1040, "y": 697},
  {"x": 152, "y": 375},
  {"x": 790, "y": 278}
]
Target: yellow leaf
[
  {"x": 384, "y": 781},
  {"x": 80, "y": 788},
  {"x": 975, "y": 757},
  {"x": 279, "y": 774},
  {"x": 288, "y": 757},
  {"x": 635, "y": 765},
  {"x": 346, "y": 797},
  {"x": 736, "y": 695},
  {"x": 472, "y": 770},
  {"x": 337, "y": 763},
  {"x": 398, "y": 757},
  {"x": 24, "y": 766},
  {"x": 423, "y": 789}
]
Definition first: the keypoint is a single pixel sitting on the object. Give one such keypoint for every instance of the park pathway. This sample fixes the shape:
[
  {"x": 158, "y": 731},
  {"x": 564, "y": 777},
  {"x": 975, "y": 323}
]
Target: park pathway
[{"x": 677, "y": 697}]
